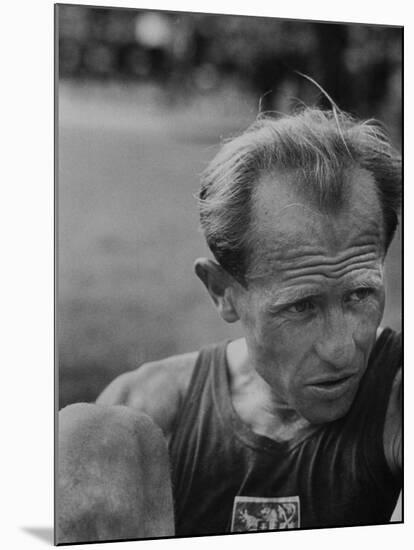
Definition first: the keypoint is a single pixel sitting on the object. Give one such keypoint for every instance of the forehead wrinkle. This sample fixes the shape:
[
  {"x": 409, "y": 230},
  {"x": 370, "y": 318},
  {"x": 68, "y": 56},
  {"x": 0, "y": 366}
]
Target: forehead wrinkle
[
  {"x": 327, "y": 275},
  {"x": 309, "y": 245},
  {"x": 316, "y": 264},
  {"x": 334, "y": 263}
]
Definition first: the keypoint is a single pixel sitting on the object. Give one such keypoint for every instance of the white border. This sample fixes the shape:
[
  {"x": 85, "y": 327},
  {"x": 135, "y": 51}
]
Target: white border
[{"x": 27, "y": 281}]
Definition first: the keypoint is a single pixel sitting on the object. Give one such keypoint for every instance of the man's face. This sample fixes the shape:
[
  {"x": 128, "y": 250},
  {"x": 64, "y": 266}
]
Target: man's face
[{"x": 315, "y": 295}]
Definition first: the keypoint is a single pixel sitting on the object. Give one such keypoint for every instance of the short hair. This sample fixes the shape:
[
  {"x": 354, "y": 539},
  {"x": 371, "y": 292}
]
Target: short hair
[{"x": 317, "y": 144}]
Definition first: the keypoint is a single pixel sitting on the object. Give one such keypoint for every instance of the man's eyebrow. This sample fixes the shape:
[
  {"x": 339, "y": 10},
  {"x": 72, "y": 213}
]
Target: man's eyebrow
[
  {"x": 365, "y": 281},
  {"x": 290, "y": 296}
]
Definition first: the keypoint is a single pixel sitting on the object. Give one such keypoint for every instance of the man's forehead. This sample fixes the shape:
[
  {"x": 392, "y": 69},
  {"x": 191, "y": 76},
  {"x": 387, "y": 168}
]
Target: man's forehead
[
  {"x": 286, "y": 224},
  {"x": 280, "y": 198}
]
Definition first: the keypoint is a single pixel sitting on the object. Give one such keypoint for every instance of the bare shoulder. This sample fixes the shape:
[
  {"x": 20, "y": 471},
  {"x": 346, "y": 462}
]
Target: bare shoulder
[{"x": 156, "y": 388}]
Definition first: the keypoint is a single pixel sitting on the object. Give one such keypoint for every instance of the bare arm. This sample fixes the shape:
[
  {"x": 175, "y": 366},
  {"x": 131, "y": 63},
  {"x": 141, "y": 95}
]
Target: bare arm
[{"x": 156, "y": 389}]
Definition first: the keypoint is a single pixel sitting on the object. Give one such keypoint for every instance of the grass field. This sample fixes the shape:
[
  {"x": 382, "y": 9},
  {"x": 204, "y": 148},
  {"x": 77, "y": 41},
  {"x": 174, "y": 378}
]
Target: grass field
[{"x": 128, "y": 231}]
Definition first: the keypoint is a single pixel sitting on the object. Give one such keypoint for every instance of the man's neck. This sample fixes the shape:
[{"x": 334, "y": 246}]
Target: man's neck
[{"x": 255, "y": 403}]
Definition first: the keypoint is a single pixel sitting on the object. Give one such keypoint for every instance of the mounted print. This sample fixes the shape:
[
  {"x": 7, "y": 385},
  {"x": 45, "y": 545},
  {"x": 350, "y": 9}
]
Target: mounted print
[{"x": 228, "y": 274}]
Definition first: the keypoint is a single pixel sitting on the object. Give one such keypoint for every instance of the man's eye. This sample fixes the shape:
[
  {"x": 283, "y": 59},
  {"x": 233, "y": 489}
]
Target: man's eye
[
  {"x": 359, "y": 294},
  {"x": 302, "y": 306}
]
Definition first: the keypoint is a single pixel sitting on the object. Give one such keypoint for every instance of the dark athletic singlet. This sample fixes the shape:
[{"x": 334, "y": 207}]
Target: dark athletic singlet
[{"x": 227, "y": 478}]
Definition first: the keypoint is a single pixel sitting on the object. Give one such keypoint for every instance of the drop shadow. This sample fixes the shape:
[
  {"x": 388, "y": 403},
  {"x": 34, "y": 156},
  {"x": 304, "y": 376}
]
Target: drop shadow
[{"x": 43, "y": 533}]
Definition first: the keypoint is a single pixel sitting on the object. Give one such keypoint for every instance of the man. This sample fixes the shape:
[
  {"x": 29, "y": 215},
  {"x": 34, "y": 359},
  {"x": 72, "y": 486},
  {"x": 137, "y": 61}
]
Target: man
[{"x": 298, "y": 424}]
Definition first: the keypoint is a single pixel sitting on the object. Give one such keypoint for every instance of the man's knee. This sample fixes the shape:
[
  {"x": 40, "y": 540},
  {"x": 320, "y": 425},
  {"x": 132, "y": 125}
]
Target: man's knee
[
  {"x": 108, "y": 432},
  {"x": 113, "y": 475}
]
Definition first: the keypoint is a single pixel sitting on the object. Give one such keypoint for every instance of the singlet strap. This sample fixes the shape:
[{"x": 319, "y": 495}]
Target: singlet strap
[
  {"x": 370, "y": 407},
  {"x": 198, "y": 383}
]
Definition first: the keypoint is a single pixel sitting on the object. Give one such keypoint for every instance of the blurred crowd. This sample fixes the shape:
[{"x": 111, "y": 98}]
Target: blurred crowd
[{"x": 189, "y": 53}]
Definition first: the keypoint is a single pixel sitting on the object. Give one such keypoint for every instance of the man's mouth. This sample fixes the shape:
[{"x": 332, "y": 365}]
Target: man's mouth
[{"x": 331, "y": 388}]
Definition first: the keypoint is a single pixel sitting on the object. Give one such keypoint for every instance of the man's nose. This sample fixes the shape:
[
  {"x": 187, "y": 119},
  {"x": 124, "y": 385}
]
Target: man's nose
[{"x": 336, "y": 345}]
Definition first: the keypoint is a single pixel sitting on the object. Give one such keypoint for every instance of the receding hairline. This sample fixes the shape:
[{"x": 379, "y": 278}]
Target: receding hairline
[
  {"x": 361, "y": 199},
  {"x": 319, "y": 144},
  {"x": 291, "y": 183}
]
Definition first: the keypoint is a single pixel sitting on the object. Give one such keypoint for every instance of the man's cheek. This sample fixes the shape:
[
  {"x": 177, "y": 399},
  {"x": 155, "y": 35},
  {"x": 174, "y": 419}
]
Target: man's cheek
[
  {"x": 372, "y": 310},
  {"x": 276, "y": 338},
  {"x": 366, "y": 323}
]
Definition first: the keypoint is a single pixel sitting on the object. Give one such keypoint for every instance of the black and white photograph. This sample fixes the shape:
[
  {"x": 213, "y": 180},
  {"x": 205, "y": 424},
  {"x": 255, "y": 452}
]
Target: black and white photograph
[{"x": 228, "y": 274}]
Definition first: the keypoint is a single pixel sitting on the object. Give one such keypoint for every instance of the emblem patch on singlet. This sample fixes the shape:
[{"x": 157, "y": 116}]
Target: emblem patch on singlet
[{"x": 265, "y": 514}]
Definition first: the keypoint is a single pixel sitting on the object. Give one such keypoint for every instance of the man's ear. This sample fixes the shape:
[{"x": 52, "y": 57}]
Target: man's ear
[{"x": 218, "y": 284}]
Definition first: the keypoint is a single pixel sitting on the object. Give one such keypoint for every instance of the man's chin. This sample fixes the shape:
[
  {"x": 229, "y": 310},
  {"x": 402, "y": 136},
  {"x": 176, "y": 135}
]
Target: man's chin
[
  {"x": 323, "y": 413},
  {"x": 323, "y": 405}
]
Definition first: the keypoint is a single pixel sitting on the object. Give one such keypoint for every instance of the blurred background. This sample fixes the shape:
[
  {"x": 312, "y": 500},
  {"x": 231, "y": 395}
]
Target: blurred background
[{"x": 144, "y": 97}]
